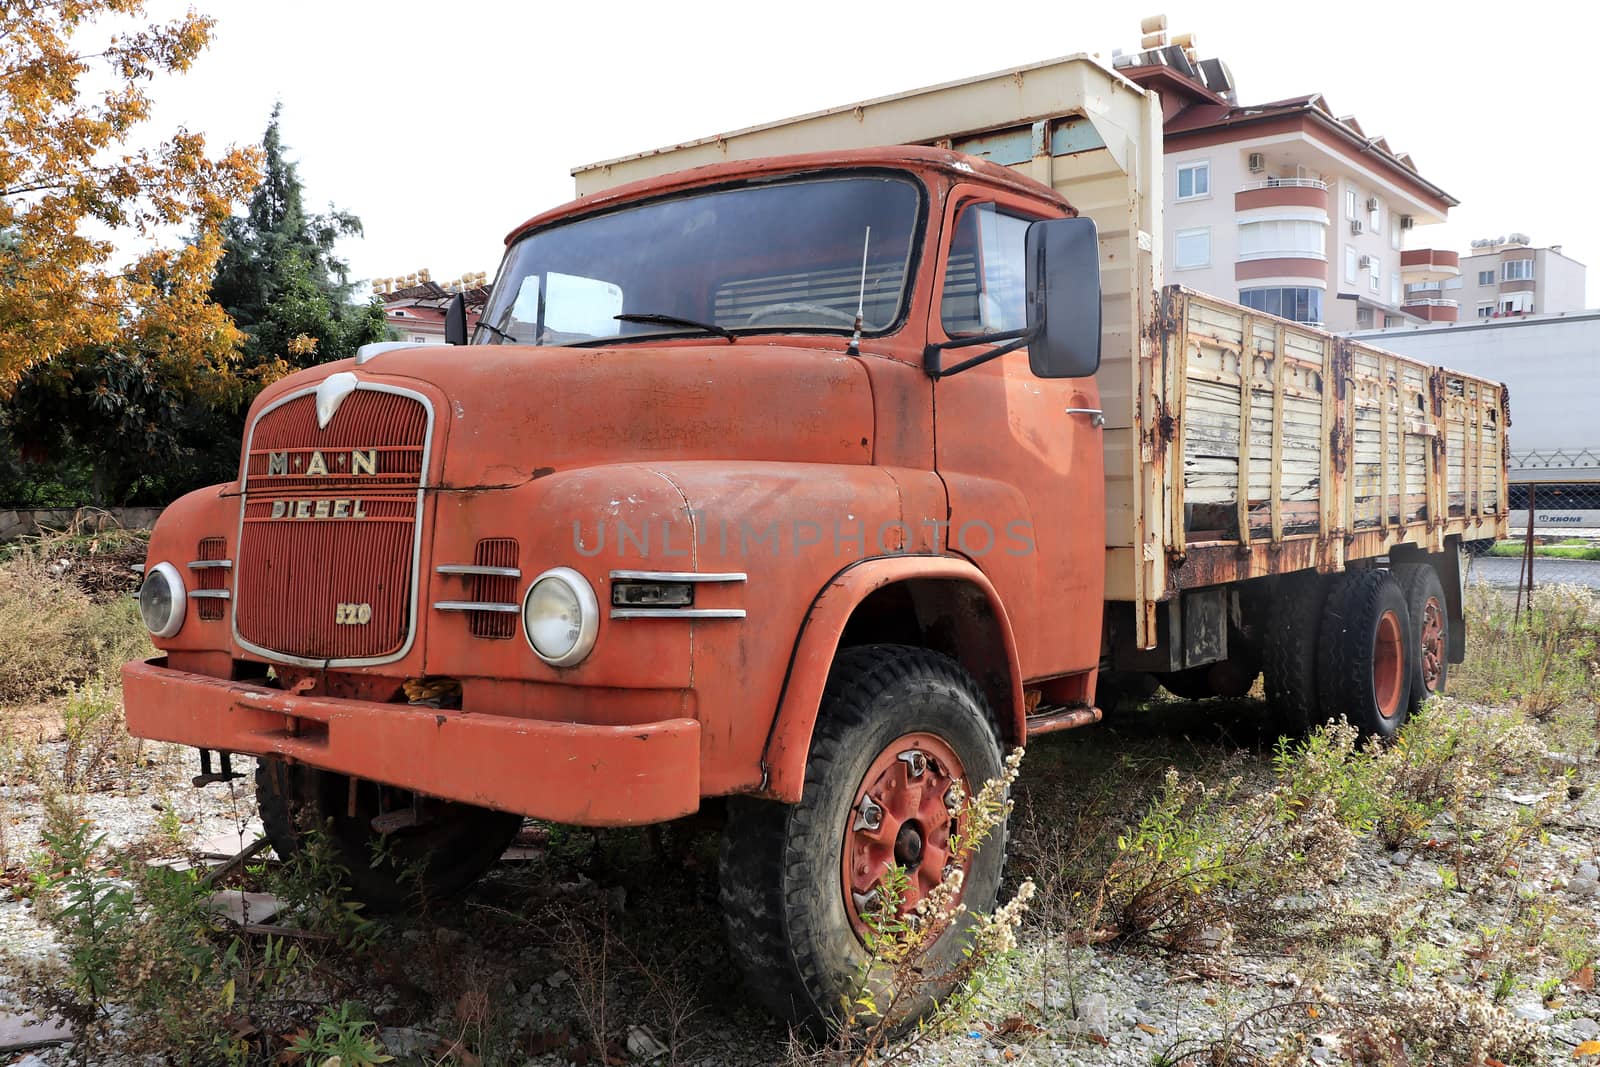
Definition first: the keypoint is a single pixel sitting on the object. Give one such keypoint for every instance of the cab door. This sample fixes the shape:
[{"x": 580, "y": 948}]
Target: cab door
[{"x": 1020, "y": 456}]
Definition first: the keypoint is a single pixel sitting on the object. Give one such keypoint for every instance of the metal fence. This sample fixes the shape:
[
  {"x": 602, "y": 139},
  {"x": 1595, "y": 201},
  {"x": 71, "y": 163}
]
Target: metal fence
[{"x": 1557, "y": 507}]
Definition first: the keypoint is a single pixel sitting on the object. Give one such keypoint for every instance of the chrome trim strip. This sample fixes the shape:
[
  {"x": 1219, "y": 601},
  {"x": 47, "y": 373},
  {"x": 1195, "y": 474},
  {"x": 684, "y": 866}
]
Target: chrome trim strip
[
  {"x": 207, "y": 564},
  {"x": 477, "y": 568},
  {"x": 209, "y": 594},
  {"x": 476, "y": 605},
  {"x": 416, "y": 538},
  {"x": 677, "y": 613},
  {"x": 676, "y": 576}
]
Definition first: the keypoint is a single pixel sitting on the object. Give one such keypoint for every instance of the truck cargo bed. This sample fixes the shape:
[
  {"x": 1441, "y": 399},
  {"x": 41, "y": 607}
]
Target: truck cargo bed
[{"x": 1343, "y": 450}]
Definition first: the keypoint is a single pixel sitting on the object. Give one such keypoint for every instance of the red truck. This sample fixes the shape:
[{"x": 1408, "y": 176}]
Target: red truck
[{"x": 807, "y": 486}]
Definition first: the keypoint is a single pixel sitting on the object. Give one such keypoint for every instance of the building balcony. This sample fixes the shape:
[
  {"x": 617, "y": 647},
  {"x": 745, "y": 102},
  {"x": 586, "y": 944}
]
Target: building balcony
[
  {"x": 1282, "y": 192},
  {"x": 1282, "y": 264},
  {"x": 1429, "y": 265},
  {"x": 1432, "y": 310}
]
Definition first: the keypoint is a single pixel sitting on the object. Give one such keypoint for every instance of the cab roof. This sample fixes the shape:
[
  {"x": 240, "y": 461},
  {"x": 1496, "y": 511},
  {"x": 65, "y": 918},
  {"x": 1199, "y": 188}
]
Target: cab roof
[{"x": 894, "y": 157}]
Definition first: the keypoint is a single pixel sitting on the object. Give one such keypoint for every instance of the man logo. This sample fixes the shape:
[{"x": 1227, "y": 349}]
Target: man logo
[{"x": 362, "y": 461}]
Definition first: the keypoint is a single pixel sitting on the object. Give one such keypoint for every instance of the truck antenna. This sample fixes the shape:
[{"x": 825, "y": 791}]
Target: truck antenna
[{"x": 861, "y": 301}]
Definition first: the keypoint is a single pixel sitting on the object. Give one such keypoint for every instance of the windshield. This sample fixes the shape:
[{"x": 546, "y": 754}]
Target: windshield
[{"x": 778, "y": 256}]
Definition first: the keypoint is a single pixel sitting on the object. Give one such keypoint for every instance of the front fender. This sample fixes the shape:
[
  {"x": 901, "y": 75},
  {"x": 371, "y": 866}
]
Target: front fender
[{"x": 784, "y": 761}]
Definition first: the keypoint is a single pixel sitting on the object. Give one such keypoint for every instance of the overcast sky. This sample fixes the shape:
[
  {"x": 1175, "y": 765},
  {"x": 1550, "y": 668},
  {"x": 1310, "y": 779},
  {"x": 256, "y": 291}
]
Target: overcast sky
[{"x": 443, "y": 125}]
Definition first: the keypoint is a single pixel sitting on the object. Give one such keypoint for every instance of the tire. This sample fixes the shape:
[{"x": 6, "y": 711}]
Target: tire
[
  {"x": 1191, "y": 684},
  {"x": 1230, "y": 678},
  {"x": 441, "y": 856},
  {"x": 1112, "y": 689},
  {"x": 1289, "y": 651},
  {"x": 783, "y": 874},
  {"x": 1363, "y": 669},
  {"x": 1430, "y": 630}
]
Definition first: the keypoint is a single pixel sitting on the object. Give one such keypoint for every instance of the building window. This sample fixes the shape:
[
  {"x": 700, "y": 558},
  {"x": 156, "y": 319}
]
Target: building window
[
  {"x": 1363, "y": 318},
  {"x": 1375, "y": 214},
  {"x": 1192, "y": 248},
  {"x": 1300, "y": 305},
  {"x": 1485, "y": 310},
  {"x": 1394, "y": 238},
  {"x": 1517, "y": 304},
  {"x": 1394, "y": 289},
  {"x": 419, "y": 338},
  {"x": 1352, "y": 203},
  {"x": 1194, "y": 180},
  {"x": 1516, "y": 270},
  {"x": 1350, "y": 264},
  {"x": 1282, "y": 237},
  {"x": 1374, "y": 273},
  {"x": 1452, "y": 283},
  {"x": 1486, "y": 277}
]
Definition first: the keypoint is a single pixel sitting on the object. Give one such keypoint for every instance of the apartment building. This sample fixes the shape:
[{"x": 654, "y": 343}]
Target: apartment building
[
  {"x": 1508, "y": 276},
  {"x": 1287, "y": 207}
]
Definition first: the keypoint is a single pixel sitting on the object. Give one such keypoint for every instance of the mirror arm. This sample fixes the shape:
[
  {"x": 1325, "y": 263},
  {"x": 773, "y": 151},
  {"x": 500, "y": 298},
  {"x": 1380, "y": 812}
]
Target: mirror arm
[{"x": 1016, "y": 339}]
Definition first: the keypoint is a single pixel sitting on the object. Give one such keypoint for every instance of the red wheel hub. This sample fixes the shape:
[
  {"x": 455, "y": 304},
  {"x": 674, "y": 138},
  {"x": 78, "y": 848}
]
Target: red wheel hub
[
  {"x": 1388, "y": 665},
  {"x": 902, "y": 816},
  {"x": 1432, "y": 642}
]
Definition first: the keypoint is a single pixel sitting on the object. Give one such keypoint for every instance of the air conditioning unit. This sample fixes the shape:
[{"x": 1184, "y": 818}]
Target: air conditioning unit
[
  {"x": 1364, "y": 263},
  {"x": 1372, "y": 203},
  {"x": 1406, "y": 222},
  {"x": 1258, "y": 162},
  {"x": 1355, "y": 226}
]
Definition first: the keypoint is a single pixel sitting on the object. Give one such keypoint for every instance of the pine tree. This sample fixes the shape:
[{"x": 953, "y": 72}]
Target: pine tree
[{"x": 280, "y": 279}]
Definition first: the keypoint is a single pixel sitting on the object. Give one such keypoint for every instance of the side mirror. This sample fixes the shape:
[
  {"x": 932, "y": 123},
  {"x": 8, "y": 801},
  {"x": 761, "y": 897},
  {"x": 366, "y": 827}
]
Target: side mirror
[
  {"x": 455, "y": 321},
  {"x": 1063, "y": 283}
]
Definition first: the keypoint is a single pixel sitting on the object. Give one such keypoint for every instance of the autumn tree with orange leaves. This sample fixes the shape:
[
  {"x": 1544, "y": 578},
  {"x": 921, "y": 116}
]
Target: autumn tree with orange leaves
[{"x": 79, "y": 176}]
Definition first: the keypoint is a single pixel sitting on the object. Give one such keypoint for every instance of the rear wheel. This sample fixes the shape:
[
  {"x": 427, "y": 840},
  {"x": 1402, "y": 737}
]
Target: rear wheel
[
  {"x": 420, "y": 849},
  {"x": 898, "y": 728},
  {"x": 1364, "y": 665},
  {"x": 1289, "y": 651},
  {"x": 1430, "y": 630}
]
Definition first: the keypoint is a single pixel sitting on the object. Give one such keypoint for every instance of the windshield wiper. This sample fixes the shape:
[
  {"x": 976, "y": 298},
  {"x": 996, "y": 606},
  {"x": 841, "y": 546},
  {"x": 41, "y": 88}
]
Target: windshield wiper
[
  {"x": 674, "y": 320},
  {"x": 497, "y": 331}
]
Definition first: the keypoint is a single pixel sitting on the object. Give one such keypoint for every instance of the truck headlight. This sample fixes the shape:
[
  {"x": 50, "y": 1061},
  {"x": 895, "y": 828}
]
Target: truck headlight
[
  {"x": 560, "y": 616},
  {"x": 162, "y": 601}
]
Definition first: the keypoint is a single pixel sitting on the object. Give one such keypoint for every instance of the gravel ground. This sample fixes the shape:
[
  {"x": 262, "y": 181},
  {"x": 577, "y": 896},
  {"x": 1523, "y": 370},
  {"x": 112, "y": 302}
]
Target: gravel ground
[{"x": 1055, "y": 1004}]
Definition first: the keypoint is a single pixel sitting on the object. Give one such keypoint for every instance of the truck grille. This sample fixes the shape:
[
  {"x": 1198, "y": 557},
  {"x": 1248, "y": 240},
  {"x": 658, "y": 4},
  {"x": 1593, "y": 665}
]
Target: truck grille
[{"x": 326, "y": 561}]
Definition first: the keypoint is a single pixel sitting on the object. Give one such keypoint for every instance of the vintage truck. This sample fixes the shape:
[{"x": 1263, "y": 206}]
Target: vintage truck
[{"x": 801, "y": 488}]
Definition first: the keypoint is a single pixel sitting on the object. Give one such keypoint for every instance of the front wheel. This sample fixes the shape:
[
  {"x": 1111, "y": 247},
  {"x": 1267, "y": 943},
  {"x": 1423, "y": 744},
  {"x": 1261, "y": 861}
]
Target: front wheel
[
  {"x": 898, "y": 728},
  {"x": 397, "y": 848}
]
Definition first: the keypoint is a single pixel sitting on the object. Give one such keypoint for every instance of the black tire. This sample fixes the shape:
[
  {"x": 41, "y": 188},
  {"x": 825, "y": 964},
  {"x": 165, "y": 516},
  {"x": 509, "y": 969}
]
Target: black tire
[
  {"x": 781, "y": 871},
  {"x": 1430, "y": 630},
  {"x": 1231, "y": 678},
  {"x": 444, "y": 854},
  {"x": 1191, "y": 684},
  {"x": 1289, "y": 651},
  {"x": 1112, "y": 689},
  {"x": 1363, "y": 665}
]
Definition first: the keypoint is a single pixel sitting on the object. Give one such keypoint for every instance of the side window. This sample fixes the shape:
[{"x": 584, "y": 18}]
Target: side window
[{"x": 985, "y": 276}]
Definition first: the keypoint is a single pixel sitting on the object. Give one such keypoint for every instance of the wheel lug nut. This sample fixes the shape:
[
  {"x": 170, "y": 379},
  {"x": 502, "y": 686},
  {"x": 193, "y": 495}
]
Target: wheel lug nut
[
  {"x": 869, "y": 815},
  {"x": 916, "y": 763}
]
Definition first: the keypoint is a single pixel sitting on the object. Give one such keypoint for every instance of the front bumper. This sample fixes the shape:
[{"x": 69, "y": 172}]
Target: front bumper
[{"x": 564, "y": 772}]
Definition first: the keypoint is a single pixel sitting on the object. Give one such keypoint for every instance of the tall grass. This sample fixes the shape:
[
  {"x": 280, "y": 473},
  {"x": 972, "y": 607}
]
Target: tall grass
[{"x": 53, "y": 637}]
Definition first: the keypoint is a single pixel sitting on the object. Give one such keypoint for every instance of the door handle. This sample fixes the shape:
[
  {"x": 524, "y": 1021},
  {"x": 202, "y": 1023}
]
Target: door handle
[{"x": 1097, "y": 418}]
